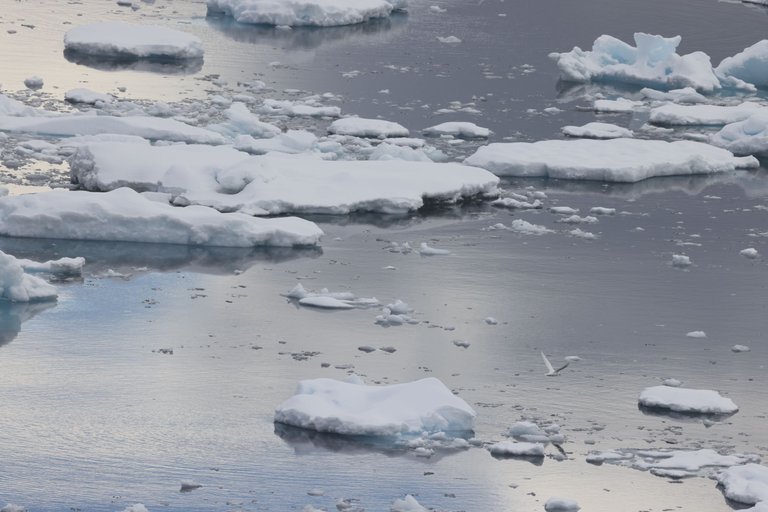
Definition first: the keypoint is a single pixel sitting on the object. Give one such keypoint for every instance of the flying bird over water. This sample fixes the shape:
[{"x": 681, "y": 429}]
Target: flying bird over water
[{"x": 551, "y": 371}]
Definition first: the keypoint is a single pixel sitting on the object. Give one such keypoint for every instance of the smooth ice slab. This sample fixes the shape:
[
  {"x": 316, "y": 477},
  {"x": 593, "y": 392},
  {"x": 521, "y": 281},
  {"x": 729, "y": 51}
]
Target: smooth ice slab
[
  {"x": 332, "y": 406},
  {"x": 620, "y": 160},
  {"x": 230, "y": 180},
  {"x": 127, "y": 216},
  {"x": 653, "y": 61},
  {"x": 697, "y": 401},
  {"x": 361, "y": 127},
  {"x": 124, "y": 40},
  {"x": 323, "y": 13},
  {"x": 702, "y": 115}
]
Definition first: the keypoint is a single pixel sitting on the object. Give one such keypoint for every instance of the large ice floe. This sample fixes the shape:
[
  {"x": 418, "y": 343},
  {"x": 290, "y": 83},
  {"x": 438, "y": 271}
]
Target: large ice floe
[
  {"x": 702, "y": 115},
  {"x": 125, "y": 215},
  {"x": 654, "y": 62},
  {"x": 18, "y": 286},
  {"x": 230, "y": 180},
  {"x": 413, "y": 408},
  {"x": 619, "y": 160},
  {"x": 746, "y": 484},
  {"x": 323, "y": 13},
  {"x": 747, "y": 137},
  {"x": 126, "y": 41},
  {"x": 692, "y": 401}
]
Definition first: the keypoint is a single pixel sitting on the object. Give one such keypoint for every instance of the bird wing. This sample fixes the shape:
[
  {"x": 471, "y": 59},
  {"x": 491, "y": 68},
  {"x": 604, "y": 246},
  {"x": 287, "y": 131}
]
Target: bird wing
[
  {"x": 562, "y": 367},
  {"x": 550, "y": 368}
]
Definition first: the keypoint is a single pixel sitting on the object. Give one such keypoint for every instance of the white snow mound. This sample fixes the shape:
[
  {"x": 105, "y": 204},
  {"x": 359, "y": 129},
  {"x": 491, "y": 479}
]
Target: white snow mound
[
  {"x": 746, "y": 484},
  {"x": 332, "y": 406},
  {"x": 123, "y": 40},
  {"x": 698, "y": 401}
]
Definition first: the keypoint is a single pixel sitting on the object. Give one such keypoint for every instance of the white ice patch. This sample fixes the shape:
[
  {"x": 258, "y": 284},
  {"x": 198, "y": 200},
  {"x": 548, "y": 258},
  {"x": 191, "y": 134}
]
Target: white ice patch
[
  {"x": 125, "y": 215},
  {"x": 702, "y": 115},
  {"x": 326, "y": 299},
  {"x": 121, "y": 40},
  {"x": 305, "y": 108},
  {"x": 332, "y": 406},
  {"x": 293, "y": 13},
  {"x": 516, "y": 449},
  {"x": 617, "y": 106},
  {"x": 458, "y": 129},
  {"x": 696, "y": 334},
  {"x": 597, "y": 131},
  {"x": 694, "y": 401},
  {"x": 684, "y": 95},
  {"x": 747, "y": 137},
  {"x": 652, "y": 62},
  {"x": 681, "y": 261},
  {"x": 750, "y": 253},
  {"x": 373, "y": 128},
  {"x": 619, "y": 160},
  {"x": 18, "y": 286},
  {"x": 87, "y": 96},
  {"x": 561, "y": 505},
  {"x": 230, "y": 180},
  {"x": 746, "y": 484},
  {"x": 62, "y": 267},
  {"x": 241, "y": 121}
]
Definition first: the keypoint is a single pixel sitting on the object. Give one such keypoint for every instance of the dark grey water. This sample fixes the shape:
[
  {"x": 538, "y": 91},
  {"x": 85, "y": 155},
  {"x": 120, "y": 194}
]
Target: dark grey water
[{"x": 94, "y": 417}]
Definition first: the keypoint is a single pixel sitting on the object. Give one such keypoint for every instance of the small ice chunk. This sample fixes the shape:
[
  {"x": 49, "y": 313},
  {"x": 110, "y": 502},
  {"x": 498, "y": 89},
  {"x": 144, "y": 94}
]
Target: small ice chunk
[
  {"x": 746, "y": 484},
  {"x": 491, "y": 320},
  {"x": 408, "y": 504},
  {"x": 449, "y": 39},
  {"x": 120, "y": 40},
  {"x": 696, "y": 334},
  {"x": 597, "y": 130},
  {"x": 458, "y": 129},
  {"x": 740, "y": 348},
  {"x": 33, "y": 82},
  {"x": 699, "y": 401},
  {"x": 681, "y": 261},
  {"x": 426, "y": 250},
  {"x": 561, "y": 505},
  {"x": 750, "y": 253},
  {"x": 516, "y": 449},
  {"x": 325, "y": 303}
]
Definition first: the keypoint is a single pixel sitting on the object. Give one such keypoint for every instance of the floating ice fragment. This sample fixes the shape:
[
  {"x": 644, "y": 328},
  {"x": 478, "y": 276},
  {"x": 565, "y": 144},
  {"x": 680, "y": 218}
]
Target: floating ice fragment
[
  {"x": 449, "y": 39},
  {"x": 746, "y": 484},
  {"x": 33, "y": 82},
  {"x": 426, "y": 250},
  {"x": 681, "y": 261},
  {"x": 189, "y": 485},
  {"x": 458, "y": 129},
  {"x": 117, "y": 39},
  {"x": 516, "y": 449},
  {"x": 597, "y": 130},
  {"x": 360, "y": 127},
  {"x": 407, "y": 504},
  {"x": 750, "y": 253},
  {"x": 696, "y": 334},
  {"x": 324, "y": 13},
  {"x": 491, "y": 320},
  {"x": 740, "y": 348},
  {"x": 561, "y": 505},
  {"x": 698, "y": 401}
]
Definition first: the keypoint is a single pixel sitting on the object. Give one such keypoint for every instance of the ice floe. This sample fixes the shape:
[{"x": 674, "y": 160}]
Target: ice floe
[
  {"x": 750, "y": 253},
  {"x": 326, "y": 299},
  {"x": 333, "y": 406},
  {"x": 516, "y": 449},
  {"x": 693, "y": 401},
  {"x": 675, "y": 464},
  {"x": 620, "y": 160},
  {"x": 374, "y": 128},
  {"x": 749, "y": 65},
  {"x": 556, "y": 504},
  {"x": 684, "y": 95},
  {"x": 597, "y": 130},
  {"x": 458, "y": 129},
  {"x": 407, "y": 504},
  {"x": 746, "y": 484},
  {"x": 702, "y": 115},
  {"x": 18, "y": 286},
  {"x": 292, "y": 13},
  {"x": 230, "y": 180},
  {"x": 123, "y": 40},
  {"x": 125, "y": 215},
  {"x": 87, "y": 96},
  {"x": 747, "y": 137}
]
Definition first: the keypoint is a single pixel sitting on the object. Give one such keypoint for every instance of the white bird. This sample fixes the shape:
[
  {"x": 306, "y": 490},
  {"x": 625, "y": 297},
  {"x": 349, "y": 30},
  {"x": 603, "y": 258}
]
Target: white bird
[{"x": 551, "y": 372}]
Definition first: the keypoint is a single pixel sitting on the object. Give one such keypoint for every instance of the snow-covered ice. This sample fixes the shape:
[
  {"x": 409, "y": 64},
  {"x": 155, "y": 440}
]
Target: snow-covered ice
[
  {"x": 617, "y": 106},
  {"x": 18, "y": 286},
  {"x": 87, "y": 96},
  {"x": 653, "y": 61},
  {"x": 696, "y": 334},
  {"x": 702, "y": 115},
  {"x": 740, "y": 348},
  {"x": 684, "y": 95},
  {"x": 746, "y": 137},
  {"x": 407, "y": 504},
  {"x": 125, "y": 215},
  {"x": 746, "y": 484},
  {"x": 750, "y": 253},
  {"x": 681, "y": 261},
  {"x": 696, "y": 401},
  {"x": 292, "y": 13},
  {"x": 373, "y": 128},
  {"x": 620, "y": 160},
  {"x": 516, "y": 449},
  {"x": 749, "y": 65},
  {"x": 556, "y": 504},
  {"x": 123, "y": 40},
  {"x": 597, "y": 130},
  {"x": 458, "y": 129},
  {"x": 333, "y": 406},
  {"x": 230, "y": 180}
]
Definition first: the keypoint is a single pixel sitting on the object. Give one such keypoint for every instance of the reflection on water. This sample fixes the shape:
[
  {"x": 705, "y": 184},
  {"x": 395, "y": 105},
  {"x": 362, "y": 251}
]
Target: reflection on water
[
  {"x": 302, "y": 38},
  {"x": 101, "y": 256},
  {"x": 753, "y": 183},
  {"x": 13, "y": 314},
  {"x": 162, "y": 66}
]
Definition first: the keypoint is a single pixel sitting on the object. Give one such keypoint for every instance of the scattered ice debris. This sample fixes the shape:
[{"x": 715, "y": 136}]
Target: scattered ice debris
[
  {"x": 449, "y": 39},
  {"x": 523, "y": 227},
  {"x": 372, "y": 128},
  {"x": 122, "y": 40},
  {"x": 746, "y": 484},
  {"x": 491, "y": 320},
  {"x": 408, "y": 504},
  {"x": 577, "y": 219},
  {"x": 516, "y": 449},
  {"x": 189, "y": 485},
  {"x": 329, "y": 300},
  {"x": 458, "y": 129},
  {"x": 397, "y": 313},
  {"x": 426, "y": 250},
  {"x": 740, "y": 348},
  {"x": 241, "y": 121},
  {"x": 684, "y": 95},
  {"x": 298, "y": 108},
  {"x": 597, "y": 130},
  {"x": 125, "y": 215},
  {"x": 750, "y": 253},
  {"x": 681, "y": 261},
  {"x": 331, "y": 406},
  {"x": 292, "y": 142},
  {"x": 437, "y": 9},
  {"x": 702, "y": 115},
  {"x": 561, "y": 505},
  {"x": 33, "y": 82},
  {"x": 617, "y": 106},
  {"x": 696, "y": 334},
  {"x": 748, "y": 65},
  {"x": 322, "y": 13},
  {"x": 673, "y": 383},
  {"x": 620, "y": 160},
  {"x": 653, "y": 61},
  {"x": 18, "y": 286},
  {"x": 693, "y": 401},
  {"x": 230, "y": 180},
  {"x": 747, "y": 137},
  {"x": 462, "y": 343},
  {"x": 674, "y": 463},
  {"x": 517, "y": 201},
  {"x": 87, "y": 96},
  {"x": 530, "y": 432}
]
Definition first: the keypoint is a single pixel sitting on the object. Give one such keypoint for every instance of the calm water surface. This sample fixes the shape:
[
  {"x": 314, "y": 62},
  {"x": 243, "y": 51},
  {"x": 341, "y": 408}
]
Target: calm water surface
[{"x": 95, "y": 417}]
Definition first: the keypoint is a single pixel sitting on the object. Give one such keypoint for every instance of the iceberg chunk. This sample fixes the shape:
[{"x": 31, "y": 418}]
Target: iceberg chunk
[{"x": 123, "y": 40}]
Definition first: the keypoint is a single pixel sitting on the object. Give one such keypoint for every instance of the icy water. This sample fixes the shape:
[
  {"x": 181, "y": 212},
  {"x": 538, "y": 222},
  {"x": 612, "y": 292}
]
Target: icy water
[{"x": 96, "y": 413}]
